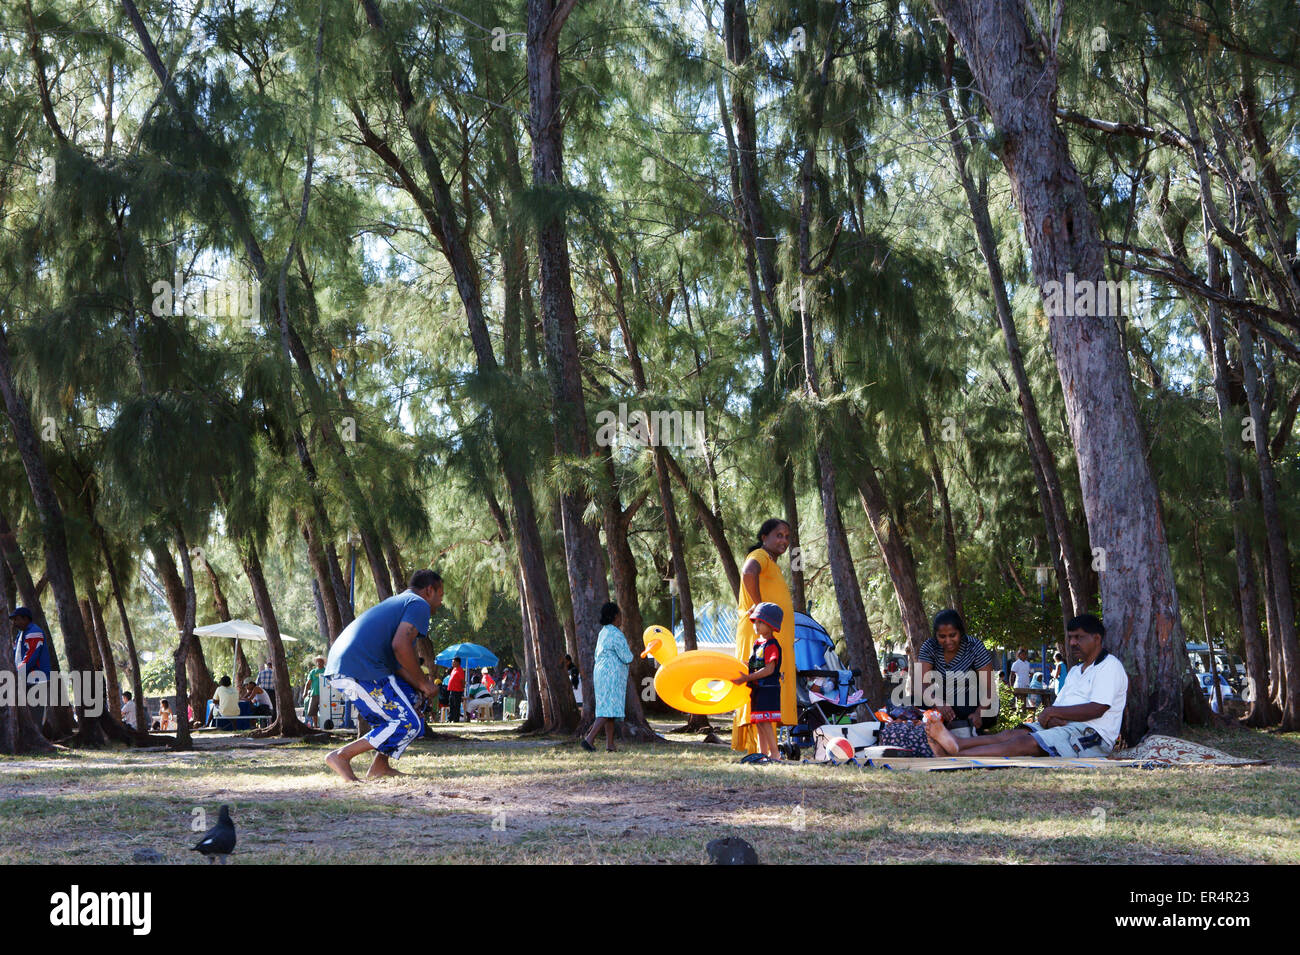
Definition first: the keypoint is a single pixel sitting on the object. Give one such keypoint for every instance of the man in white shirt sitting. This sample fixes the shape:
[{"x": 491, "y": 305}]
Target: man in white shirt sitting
[
  {"x": 1085, "y": 719},
  {"x": 129, "y": 715}
]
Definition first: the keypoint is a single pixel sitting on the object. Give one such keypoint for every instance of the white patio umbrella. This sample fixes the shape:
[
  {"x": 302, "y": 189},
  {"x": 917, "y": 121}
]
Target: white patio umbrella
[{"x": 237, "y": 630}]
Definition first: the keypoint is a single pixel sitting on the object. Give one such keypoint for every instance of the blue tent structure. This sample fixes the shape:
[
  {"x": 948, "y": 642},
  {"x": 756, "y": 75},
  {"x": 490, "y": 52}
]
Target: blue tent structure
[
  {"x": 471, "y": 656},
  {"x": 715, "y": 629}
]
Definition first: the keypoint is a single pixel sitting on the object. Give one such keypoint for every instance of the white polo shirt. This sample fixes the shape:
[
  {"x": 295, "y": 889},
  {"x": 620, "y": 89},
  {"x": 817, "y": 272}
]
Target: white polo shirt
[{"x": 1103, "y": 682}]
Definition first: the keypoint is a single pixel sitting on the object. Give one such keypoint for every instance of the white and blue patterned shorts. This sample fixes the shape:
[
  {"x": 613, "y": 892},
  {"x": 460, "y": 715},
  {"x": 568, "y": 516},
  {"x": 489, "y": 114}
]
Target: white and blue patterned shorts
[
  {"x": 389, "y": 707},
  {"x": 1072, "y": 739}
]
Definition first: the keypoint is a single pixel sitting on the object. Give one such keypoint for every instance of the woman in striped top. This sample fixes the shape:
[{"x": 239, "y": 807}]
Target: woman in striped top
[{"x": 963, "y": 669}]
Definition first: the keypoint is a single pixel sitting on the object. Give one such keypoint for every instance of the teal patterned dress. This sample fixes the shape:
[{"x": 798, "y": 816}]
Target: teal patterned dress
[{"x": 612, "y": 660}]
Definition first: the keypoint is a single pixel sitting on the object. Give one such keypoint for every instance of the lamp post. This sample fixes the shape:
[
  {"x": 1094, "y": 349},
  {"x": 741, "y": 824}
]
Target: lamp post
[
  {"x": 1043, "y": 574},
  {"x": 354, "y": 538}
]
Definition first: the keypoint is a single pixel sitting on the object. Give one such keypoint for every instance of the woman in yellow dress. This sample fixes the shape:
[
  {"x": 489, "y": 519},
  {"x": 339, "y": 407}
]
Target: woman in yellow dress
[{"x": 761, "y": 581}]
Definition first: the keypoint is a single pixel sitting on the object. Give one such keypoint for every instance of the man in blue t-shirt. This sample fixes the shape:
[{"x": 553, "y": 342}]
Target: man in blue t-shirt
[{"x": 374, "y": 663}]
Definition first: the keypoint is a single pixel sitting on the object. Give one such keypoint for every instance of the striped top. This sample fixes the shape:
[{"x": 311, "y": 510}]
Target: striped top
[{"x": 971, "y": 655}]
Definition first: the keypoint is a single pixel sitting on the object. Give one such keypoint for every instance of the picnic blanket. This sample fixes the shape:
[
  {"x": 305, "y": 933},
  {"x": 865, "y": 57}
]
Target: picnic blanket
[{"x": 1154, "y": 752}]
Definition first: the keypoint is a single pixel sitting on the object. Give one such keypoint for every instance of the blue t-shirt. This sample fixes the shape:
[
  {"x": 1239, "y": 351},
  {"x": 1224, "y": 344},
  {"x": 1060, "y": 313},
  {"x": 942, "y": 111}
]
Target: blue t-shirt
[{"x": 364, "y": 650}]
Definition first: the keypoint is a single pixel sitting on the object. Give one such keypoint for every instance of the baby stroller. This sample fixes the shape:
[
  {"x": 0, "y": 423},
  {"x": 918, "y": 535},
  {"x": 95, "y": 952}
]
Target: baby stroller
[{"x": 825, "y": 691}]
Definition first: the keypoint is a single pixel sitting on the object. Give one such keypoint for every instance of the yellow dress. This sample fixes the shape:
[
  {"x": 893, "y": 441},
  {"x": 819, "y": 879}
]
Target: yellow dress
[{"x": 772, "y": 588}]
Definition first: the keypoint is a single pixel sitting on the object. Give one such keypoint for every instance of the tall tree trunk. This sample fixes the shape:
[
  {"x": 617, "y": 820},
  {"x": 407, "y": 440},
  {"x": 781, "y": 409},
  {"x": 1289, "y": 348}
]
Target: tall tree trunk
[
  {"x": 1016, "y": 72},
  {"x": 762, "y": 238},
  {"x": 199, "y": 682},
  {"x": 535, "y": 721},
  {"x": 286, "y": 722},
  {"x": 945, "y": 508},
  {"x": 322, "y": 623},
  {"x": 848, "y": 592},
  {"x": 180, "y": 658},
  {"x": 1276, "y": 667},
  {"x": 583, "y": 557},
  {"x": 394, "y": 558},
  {"x": 977, "y": 199},
  {"x": 893, "y": 544},
  {"x": 622, "y": 566},
  {"x": 1262, "y": 712},
  {"x": 96, "y": 660},
  {"x": 548, "y": 682},
  {"x": 1050, "y": 526},
  {"x": 553, "y": 704},
  {"x": 347, "y": 613},
  {"x": 242, "y": 669},
  {"x": 1277, "y": 552},
  {"x": 114, "y": 703},
  {"x": 133, "y": 658},
  {"x": 659, "y": 455},
  {"x": 329, "y": 599}
]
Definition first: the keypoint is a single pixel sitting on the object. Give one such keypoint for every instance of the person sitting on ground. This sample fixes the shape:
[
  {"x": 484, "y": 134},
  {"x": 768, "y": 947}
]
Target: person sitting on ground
[
  {"x": 444, "y": 699},
  {"x": 375, "y": 664},
  {"x": 259, "y": 698},
  {"x": 227, "y": 698},
  {"x": 1085, "y": 719},
  {"x": 963, "y": 687},
  {"x": 266, "y": 680},
  {"x": 129, "y": 716},
  {"x": 478, "y": 702},
  {"x": 1035, "y": 701}
]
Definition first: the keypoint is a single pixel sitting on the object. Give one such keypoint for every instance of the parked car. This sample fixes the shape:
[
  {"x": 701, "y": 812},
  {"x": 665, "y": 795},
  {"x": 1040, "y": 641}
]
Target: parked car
[
  {"x": 1225, "y": 689},
  {"x": 1229, "y": 665}
]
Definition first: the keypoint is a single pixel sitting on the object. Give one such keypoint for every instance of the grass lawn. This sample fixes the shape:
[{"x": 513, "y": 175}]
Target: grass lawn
[{"x": 489, "y": 793}]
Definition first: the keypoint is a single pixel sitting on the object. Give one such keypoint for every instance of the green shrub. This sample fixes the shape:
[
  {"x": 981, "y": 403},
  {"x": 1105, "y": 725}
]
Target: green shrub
[
  {"x": 158, "y": 676},
  {"x": 1012, "y": 712}
]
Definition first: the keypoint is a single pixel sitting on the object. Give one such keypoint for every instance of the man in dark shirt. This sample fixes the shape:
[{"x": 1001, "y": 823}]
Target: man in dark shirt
[{"x": 375, "y": 664}]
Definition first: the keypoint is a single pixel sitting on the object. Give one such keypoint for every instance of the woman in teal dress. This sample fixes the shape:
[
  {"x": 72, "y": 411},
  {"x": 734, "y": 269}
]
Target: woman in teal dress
[{"x": 613, "y": 657}]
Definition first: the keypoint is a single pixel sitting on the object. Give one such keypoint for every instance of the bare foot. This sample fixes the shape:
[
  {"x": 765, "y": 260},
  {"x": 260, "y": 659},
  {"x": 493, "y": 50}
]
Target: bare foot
[
  {"x": 941, "y": 741},
  {"x": 380, "y": 768},
  {"x": 341, "y": 766}
]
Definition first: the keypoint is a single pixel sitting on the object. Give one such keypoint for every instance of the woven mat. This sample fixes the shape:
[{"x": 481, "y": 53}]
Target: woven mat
[{"x": 1154, "y": 752}]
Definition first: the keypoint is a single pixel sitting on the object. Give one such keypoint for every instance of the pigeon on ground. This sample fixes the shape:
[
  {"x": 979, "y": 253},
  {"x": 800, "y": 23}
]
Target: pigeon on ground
[
  {"x": 219, "y": 841},
  {"x": 731, "y": 851}
]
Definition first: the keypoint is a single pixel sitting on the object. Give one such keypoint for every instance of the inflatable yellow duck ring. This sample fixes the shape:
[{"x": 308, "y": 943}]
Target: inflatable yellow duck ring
[{"x": 695, "y": 682}]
